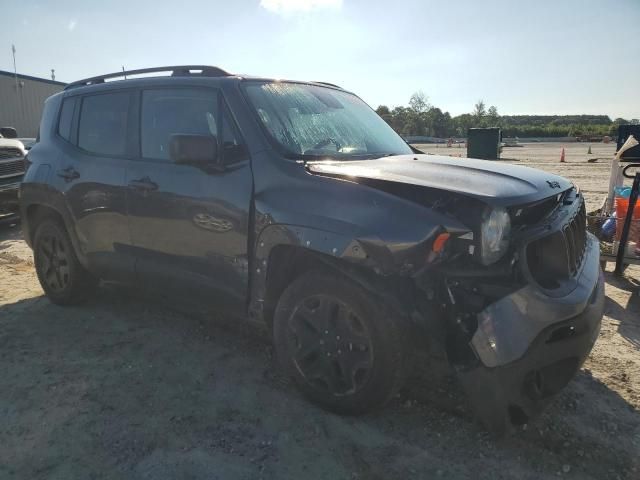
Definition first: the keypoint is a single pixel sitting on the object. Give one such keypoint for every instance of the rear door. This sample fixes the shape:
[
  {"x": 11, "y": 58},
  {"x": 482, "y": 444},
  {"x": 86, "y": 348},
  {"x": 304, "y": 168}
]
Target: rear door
[
  {"x": 95, "y": 141},
  {"x": 189, "y": 224}
]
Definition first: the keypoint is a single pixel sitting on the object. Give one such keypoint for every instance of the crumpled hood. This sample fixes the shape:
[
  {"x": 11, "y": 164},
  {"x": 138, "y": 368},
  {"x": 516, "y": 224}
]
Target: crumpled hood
[{"x": 495, "y": 183}]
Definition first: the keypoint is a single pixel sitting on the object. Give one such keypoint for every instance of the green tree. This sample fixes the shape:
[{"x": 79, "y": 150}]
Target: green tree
[
  {"x": 439, "y": 123},
  {"x": 383, "y": 110},
  {"x": 493, "y": 119},
  {"x": 420, "y": 118},
  {"x": 462, "y": 123},
  {"x": 385, "y": 114},
  {"x": 419, "y": 102},
  {"x": 479, "y": 110}
]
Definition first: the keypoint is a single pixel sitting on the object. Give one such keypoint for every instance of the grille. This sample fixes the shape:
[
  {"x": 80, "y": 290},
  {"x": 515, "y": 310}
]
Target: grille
[
  {"x": 575, "y": 238},
  {"x": 534, "y": 212},
  {"x": 558, "y": 256},
  {"x": 10, "y": 153},
  {"x": 11, "y": 168}
]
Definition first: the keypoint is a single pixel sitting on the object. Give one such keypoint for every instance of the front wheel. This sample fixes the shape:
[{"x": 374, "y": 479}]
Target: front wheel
[
  {"x": 62, "y": 277},
  {"x": 342, "y": 348}
]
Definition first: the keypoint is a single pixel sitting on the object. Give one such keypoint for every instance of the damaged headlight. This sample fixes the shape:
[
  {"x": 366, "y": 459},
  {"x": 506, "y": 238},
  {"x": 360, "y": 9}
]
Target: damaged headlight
[{"x": 494, "y": 235}]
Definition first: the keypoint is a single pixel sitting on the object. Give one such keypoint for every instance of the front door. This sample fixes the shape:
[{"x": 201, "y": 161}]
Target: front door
[{"x": 189, "y": 224}]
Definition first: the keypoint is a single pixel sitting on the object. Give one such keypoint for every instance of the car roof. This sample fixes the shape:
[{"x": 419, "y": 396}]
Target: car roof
[{"x": 178, "y": 72}]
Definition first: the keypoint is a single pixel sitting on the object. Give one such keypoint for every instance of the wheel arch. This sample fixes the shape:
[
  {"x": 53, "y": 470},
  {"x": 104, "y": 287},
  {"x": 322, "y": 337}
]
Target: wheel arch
[
  {"x": 36, "y": 211},
  {"x": 285, "y": 252}
]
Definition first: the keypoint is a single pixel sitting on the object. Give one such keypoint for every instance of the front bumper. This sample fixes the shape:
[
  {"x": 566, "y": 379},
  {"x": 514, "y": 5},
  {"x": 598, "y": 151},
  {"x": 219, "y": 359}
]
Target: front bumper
[
  {"x": 530, "y": 345},
  {"x": 9, "y": 204}
]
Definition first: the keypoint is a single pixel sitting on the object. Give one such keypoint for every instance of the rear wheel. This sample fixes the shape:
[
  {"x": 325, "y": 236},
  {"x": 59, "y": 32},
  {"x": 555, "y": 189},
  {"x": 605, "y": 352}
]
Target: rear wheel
[
  {"x": 62, "y": 277},
  {"x": 341, "y": 348}
]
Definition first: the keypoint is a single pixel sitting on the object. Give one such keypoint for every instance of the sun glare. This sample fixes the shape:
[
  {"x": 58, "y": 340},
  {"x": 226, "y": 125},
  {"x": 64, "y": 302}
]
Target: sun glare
[{"x": 291, "y": 6}]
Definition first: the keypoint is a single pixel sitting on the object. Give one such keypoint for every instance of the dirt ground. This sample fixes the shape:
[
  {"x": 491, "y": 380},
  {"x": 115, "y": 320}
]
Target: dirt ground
[{"x": 127, "y": 386}]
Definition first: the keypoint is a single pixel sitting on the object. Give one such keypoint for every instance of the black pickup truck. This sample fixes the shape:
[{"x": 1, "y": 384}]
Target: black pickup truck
[{"x": 293, "y": 203}]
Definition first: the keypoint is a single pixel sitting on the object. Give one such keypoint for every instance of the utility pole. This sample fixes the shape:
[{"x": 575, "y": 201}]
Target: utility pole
[
  {"x": 20, "y": 114},
  {"x": 15, "y": 70}
]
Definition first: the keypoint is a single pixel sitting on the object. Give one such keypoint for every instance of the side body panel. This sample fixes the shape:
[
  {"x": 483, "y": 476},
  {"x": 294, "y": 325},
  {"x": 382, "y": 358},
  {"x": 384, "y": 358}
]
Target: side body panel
[
  {"x": 87, "y": 190},
  {"x": 190, "y": 226},
  {"x": 190, "y": 235},
  {"x": 96, "y": 195},
  {"x": 34, "y": 189}
]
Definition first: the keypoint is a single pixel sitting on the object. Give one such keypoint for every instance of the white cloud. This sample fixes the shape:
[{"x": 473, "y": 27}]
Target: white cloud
[
  {"x": 72, "y": 25},
  {"x": 294, "y": 6}
]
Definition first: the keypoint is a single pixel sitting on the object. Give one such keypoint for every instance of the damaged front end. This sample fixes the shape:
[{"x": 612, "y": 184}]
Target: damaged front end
[
  {"x": 518, "y": 330},
  {"x": 506, "y": 278}
]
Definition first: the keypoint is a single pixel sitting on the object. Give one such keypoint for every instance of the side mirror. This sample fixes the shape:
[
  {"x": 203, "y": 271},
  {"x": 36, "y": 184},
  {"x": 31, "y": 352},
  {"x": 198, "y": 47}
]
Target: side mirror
[
  {"x": 193, "y": 149},
  {"x": 8, "y": 132}
]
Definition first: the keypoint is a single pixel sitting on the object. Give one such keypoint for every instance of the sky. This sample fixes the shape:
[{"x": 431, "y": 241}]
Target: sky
[{"x": 523, "y": 56}]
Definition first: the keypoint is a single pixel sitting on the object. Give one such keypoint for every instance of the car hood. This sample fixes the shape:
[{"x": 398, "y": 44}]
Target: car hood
[
  {"x": 11, "y": 143},
  {"x": 495, "y": 183}
]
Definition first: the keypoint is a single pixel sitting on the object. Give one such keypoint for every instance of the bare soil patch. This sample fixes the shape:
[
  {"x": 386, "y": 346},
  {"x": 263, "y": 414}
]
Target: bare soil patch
[{"x": 128, "y": 386}]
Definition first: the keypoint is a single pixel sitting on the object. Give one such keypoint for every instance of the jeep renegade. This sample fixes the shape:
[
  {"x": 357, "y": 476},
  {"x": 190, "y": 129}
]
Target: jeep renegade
[{"x": 293, "y": 203}]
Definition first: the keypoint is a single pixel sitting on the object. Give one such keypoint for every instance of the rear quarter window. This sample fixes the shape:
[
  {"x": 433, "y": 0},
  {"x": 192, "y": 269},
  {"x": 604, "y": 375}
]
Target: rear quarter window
[{"x": 66, "y": 118}]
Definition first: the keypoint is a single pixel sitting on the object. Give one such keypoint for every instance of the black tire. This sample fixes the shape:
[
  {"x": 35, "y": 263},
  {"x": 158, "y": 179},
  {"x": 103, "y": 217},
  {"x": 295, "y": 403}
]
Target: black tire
[
  {"x": 344, "y": 350},
  {"x": 63, "y": 279}
]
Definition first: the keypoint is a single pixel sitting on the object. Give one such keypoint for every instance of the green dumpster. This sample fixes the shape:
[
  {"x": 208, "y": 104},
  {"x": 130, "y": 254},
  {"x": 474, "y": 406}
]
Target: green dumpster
[{"x": 484, "y": 143}]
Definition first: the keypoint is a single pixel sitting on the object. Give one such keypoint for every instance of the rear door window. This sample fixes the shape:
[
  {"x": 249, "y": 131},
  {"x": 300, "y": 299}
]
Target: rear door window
[{"x": 103, "y": 123}]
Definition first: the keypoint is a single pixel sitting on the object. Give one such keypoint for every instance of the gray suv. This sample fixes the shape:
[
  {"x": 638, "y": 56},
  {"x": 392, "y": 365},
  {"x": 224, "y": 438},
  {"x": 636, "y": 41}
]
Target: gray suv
[{"x": 293, "y": 203}]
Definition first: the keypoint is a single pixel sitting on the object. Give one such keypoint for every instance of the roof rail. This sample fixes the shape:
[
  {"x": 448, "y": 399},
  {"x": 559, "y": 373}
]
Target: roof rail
[
  {"x": 329, "y": 84},
  {"x": 176, "y": 71}
]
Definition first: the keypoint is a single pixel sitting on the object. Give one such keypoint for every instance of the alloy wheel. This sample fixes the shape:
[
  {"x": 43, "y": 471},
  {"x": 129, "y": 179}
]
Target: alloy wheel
[
  {"x": 330, "y": 345},
  {"x": 53, "y": 262}
]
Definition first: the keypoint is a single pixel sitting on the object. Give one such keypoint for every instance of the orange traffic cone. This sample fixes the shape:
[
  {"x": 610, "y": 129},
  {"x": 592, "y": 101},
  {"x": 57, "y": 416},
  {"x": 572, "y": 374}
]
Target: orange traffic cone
[{"x": 562, "y": 155}]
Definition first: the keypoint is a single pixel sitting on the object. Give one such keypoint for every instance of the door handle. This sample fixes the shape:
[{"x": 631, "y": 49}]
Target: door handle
[
  {"x": 69, "y": 174},
  {"x": 144, "y": 184}
]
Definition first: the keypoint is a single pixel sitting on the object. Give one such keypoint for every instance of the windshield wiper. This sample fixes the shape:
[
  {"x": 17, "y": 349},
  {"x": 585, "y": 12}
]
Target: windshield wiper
[
  {"x": 370, "y": 156},
  {"x": 341, "y": 156}
]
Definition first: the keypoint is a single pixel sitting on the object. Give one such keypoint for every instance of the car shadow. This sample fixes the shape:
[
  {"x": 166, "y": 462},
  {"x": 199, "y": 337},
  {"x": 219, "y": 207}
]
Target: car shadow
[
  {"x": 129, "y": 379},
  {"x": 628, "y": 315}
]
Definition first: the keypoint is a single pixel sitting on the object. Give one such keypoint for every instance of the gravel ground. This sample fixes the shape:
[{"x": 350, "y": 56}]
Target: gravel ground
[{"x": 129, "y": 386}]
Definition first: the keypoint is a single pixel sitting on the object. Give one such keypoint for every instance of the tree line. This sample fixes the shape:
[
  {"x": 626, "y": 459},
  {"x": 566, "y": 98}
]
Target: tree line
[{"x": 422, "y": 118}]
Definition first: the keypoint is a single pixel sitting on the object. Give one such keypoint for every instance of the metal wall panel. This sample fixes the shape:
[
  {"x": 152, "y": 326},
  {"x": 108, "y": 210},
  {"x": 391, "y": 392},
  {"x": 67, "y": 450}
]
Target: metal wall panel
[{"x": 21, "y": 106}]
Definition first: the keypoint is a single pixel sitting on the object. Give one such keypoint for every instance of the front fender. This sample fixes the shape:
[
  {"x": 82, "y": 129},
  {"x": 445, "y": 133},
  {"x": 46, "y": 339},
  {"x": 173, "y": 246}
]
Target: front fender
[
  {"x": 372, "y": 253},
  {"x": 353, "y": 224},
  {"x": 318, "y": 241}
]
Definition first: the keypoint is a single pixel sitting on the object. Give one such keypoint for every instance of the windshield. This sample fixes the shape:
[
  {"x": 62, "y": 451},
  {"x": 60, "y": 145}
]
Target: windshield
[{"x": 310, "y": 121}]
